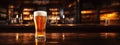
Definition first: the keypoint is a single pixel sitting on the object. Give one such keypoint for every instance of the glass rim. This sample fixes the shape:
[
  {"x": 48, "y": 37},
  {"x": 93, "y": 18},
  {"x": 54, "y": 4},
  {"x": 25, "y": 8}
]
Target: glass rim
[{"x": 40, "y": 13}]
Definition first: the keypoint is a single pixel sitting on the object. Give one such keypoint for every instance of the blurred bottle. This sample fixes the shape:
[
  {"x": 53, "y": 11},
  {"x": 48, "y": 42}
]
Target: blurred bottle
[
  {"x": 14, "y": 19},
  {"x": 21, "y": 19},
  {"x": 17, "y": 19}
]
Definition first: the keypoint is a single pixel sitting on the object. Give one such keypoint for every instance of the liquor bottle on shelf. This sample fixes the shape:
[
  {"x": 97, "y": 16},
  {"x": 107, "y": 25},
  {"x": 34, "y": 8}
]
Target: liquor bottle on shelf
[{"x": 21, "y": 19}]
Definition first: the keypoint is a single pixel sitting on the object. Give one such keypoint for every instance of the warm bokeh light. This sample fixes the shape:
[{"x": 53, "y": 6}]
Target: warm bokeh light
[
  {"x": 26, "y": 13},
  {"x": 87, "y": 11},
  {"x": 28, "y": 9},
  {"x": 110, "y": 16},
  {"x": 72, "y": 4},
  {"x": 54, "y": 17},
  {"x": 53, "y": 9},
  {"x": 55, "y": 13},
  {"x": 29, "y": 17},
  {"x": 25, "y": 9}
]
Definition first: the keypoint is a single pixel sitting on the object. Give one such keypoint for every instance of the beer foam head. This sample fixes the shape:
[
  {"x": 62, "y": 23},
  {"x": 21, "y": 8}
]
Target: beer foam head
[{"x": 40, "y": 13}]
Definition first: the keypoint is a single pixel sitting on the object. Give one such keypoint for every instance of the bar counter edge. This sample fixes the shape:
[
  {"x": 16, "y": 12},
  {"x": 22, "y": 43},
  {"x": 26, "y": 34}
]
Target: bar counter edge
[{"x": 61, "y": 28}]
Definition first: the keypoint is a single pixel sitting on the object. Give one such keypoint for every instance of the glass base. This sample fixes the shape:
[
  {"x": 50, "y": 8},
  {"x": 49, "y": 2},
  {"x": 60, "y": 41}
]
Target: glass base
[{"x": 41, "y": 38}]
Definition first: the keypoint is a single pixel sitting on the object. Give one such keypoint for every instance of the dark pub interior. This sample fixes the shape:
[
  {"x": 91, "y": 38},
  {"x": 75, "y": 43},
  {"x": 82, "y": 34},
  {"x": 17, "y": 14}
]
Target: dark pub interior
[{"x": 68, "y": 22}]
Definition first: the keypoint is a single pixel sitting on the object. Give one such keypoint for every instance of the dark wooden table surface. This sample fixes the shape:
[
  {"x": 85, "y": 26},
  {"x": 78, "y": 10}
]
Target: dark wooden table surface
[{"x": 61, "y": 39}]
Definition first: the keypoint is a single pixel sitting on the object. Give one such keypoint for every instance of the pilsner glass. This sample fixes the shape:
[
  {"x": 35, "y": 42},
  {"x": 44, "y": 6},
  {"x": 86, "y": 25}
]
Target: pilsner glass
[{"x": 40, "y": 19}]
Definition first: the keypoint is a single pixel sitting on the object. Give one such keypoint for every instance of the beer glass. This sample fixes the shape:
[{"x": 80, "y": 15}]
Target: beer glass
[{"x": 40, "y": 19}]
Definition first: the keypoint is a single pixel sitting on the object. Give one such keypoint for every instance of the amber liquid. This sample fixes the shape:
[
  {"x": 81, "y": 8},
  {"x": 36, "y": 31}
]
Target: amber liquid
[{"x": 40, "y": 25}]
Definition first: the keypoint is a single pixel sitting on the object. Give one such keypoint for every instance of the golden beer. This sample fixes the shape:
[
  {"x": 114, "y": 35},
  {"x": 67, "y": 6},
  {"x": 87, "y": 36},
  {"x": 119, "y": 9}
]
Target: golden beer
[{"x": 40, "y": 19}]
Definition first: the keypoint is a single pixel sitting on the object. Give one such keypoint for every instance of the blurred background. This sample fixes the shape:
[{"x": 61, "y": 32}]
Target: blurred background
[{"x": 60, "y": 12}]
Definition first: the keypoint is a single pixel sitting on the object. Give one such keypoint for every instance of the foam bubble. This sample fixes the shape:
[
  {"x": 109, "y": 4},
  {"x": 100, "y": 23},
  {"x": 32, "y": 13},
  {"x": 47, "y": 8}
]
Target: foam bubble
[{"x": 40, "y": 13}]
